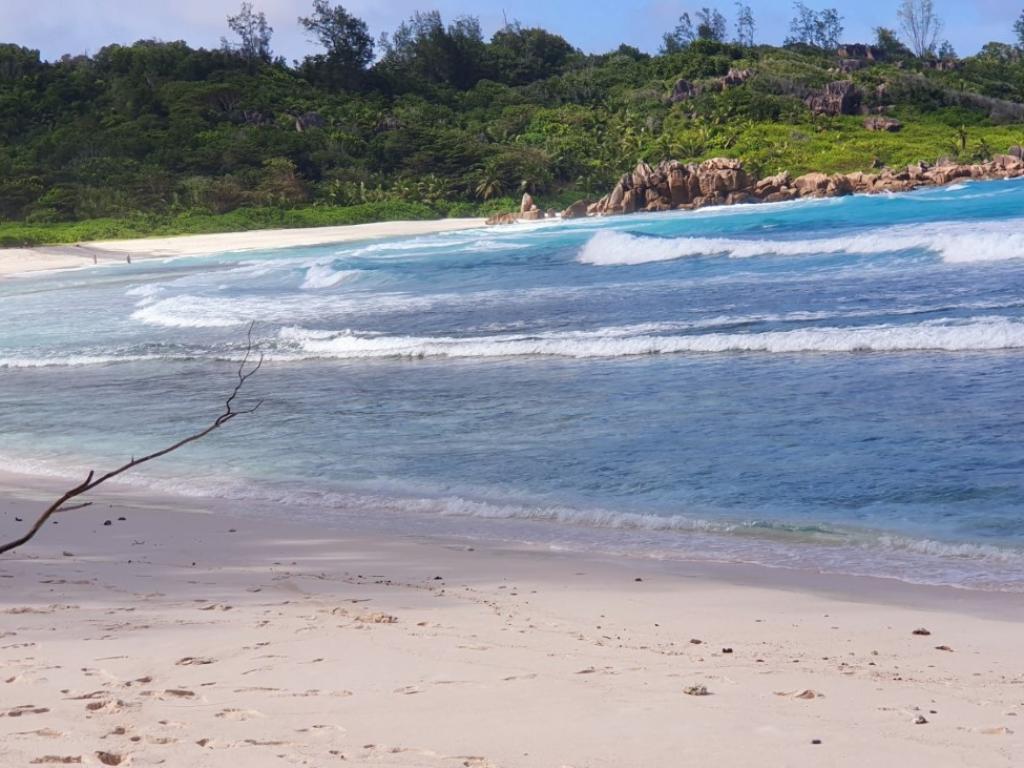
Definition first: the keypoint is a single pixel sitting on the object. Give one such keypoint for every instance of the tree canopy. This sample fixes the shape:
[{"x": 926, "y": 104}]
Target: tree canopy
[{"x": 452, "y": 121}]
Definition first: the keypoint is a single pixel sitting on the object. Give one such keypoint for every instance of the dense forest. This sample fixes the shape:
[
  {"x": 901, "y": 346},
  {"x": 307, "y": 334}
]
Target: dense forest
[{"x": 434, "y": 119}]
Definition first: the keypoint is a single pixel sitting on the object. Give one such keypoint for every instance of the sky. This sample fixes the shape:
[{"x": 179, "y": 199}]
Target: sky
[{"x": 56, "y": 27}]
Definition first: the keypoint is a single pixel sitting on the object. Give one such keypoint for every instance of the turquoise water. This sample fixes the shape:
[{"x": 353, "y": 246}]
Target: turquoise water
[{"x": 831, "y": 384}]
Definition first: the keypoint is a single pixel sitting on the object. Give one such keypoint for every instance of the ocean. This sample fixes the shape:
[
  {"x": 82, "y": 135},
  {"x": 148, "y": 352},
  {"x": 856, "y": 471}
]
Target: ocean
[{"x": 834, "y": 385}]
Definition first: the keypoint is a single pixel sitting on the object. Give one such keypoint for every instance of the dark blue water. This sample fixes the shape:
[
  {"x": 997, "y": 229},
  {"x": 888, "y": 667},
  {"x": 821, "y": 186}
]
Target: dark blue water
[{"x": 832, "y": 384}]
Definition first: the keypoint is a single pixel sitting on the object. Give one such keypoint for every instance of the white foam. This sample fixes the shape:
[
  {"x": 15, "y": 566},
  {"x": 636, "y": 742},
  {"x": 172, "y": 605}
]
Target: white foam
[
  {"x": 321, "y": 276},
  {"x": 72, "y": 360},
  {"x": 144, "y": 291},
  {"x": 954, "y": 242},
  {"x": 194, "y": 312},
  {"x": 945, "y": 549},
  {"x": 432, "y": 245},
  {"x": 978, "y": 334},
  {"x": 199, "y": 311}
]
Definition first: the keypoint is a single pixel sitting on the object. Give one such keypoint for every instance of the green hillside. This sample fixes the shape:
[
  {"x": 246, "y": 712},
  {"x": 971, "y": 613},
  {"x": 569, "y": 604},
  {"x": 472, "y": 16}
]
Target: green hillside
[{"x": 158, "y": 137}]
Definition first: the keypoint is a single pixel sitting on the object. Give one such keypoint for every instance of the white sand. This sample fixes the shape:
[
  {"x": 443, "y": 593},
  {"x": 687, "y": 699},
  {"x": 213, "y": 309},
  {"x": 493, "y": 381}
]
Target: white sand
[
  {"x": 188, "y": 639},
  {"x": 17, "y": 260}
]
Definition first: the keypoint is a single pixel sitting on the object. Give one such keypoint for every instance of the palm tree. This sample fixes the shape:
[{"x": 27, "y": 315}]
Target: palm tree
[{"x": 489, "y": 187}]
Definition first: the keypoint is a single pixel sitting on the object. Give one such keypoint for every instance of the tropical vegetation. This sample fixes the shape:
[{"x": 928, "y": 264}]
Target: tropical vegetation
[{"x": 435, "y": 119}]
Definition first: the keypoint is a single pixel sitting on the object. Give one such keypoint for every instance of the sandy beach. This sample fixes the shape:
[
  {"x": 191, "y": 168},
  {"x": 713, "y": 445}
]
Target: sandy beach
[
  {"x": 20, "y": 260},
  {"x": 174, "y": 636}
]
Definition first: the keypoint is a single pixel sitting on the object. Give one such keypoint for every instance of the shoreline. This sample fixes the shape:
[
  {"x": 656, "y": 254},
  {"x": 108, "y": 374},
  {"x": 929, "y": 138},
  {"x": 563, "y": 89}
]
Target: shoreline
[
  {"x": 14, "y": 261},
  {"x": 22, "y": 489},
  {"x": 915, "y": 569},
  {"x": 27, "y": 260},
  {"x": 266, "y": 638}
]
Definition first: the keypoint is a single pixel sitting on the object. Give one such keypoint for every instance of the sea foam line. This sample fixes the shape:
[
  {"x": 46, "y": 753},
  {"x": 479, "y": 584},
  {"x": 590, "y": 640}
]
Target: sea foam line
[
  {"x": 293, "y": 344},
  {"x": 73, "y": 361},
  {"x": 978, "y": 334},
  {"x": 817, "y": 546},
  {"x": 954, "y": 242}
]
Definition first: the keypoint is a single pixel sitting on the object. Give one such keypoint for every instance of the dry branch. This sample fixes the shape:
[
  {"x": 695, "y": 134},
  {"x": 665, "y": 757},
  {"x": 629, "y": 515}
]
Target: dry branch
[{"x": 246, "y": 370}]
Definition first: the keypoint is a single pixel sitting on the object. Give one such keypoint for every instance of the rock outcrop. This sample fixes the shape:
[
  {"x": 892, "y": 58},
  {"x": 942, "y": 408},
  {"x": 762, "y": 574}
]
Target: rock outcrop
[
  {"x": 837, "y": 98},
  {"x": 528, "y": 211},
  {"x": 736, "y": 77},
  {"x": 671, "y": 185},
  {"x": 683, "y": 90},
  {"x": 309, "y": 120},
  {"x": 883, "y": 124},
  {"x": 861, "y": 52},
  {"x": 532, "y": 215},
  {"x": 577, "y": 210}
]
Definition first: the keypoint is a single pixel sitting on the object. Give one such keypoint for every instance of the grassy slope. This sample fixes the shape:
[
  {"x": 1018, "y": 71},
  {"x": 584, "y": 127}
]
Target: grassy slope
[{"x": 846, "y": 146}]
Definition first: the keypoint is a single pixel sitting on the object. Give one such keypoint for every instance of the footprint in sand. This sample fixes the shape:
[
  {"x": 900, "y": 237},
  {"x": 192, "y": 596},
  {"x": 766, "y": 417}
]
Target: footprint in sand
[
  {"x": 28, "y": 609},
  {"x": 239, "y": 715},
  {"x": 42, "y": 733},
  {"x": 375, "y": 617},
  {"x": 25, "y": 709},
  {"x": 997, "y": 731},
  {"x": 87, "y": 696},
  {"x": 806, "y": 694},
  {"x": 170, "y": 694},
  {"x": 259, "y": 743},
  {"x": 324, "y": 729},
  {"x": 194, "y": 661},
  {"x": 109, "y": 707},
  {"x": 57, "y": 760}
]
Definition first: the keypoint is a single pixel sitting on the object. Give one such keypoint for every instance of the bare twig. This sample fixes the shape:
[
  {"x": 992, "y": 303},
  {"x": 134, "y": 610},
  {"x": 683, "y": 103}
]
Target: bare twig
[
  {"x": 72, "y": 508},
  {"x": 246, "y": 370}
]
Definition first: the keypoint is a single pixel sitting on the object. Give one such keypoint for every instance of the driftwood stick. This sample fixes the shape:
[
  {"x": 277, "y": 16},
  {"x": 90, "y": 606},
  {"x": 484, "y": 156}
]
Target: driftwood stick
[{"x": 246, "y": 370}]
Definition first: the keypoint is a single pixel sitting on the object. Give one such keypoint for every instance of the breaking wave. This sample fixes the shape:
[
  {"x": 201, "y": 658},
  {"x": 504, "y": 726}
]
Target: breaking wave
[
  {"x": 954, "y": 243},
  {"x": 321, "y": 276},
  {"x": 191, "y": 312},
  {"x": 988, "y": 334}
]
